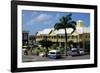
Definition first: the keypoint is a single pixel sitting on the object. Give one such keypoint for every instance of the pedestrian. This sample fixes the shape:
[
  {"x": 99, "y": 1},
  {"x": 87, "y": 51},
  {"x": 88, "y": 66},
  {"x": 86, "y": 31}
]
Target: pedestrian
[{"x": 25, "y": 52}]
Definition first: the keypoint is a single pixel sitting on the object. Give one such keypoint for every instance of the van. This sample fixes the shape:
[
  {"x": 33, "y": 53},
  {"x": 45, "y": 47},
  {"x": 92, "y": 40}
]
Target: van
[{"x": 54, "y": 54}]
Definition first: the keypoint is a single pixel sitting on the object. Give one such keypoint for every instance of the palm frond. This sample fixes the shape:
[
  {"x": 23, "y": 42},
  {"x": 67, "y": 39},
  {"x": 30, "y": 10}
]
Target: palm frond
[
  {"x": 68, "y": 17},
  {"x": 58, "y": 26},
  {"x": 63, "y": 19},
  {"x": 72, "y": 24},
  {"x": 66, "y": 22}
]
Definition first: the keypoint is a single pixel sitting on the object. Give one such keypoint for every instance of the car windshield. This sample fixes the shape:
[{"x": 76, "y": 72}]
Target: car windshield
[
  {"x": 74, "y": 50},
  {"x": 52, "y": 52},
  {"x": 81, "y": 50}
]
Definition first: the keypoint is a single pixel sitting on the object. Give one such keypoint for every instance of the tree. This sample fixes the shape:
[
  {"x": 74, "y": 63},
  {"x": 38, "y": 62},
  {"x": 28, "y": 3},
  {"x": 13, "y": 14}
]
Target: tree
[
  {"x": 87, "y": 46},
  {"x": 54, "y": 46},
  {"x": 66, "y": 22},
  {"x": 46, "y": 43},
  {"x": 71, "y": 44}
]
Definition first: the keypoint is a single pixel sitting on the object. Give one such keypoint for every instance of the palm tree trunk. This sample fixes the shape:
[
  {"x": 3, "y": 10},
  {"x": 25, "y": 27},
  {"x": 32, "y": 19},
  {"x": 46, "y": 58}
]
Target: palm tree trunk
[
  {"x": 47, "y": 50},
  {"x": 65, "y": 41}
]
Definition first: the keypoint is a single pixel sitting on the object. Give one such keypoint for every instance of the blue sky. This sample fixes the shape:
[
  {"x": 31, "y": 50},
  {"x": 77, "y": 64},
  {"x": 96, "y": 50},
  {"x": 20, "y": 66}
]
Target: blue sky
[{"x": 34, "y": 21}]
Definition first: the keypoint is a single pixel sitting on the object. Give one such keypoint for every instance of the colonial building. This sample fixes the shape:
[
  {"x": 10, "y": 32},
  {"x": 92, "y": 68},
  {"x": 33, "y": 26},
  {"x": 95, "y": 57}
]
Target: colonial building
[{"x": 80, "y": 35}]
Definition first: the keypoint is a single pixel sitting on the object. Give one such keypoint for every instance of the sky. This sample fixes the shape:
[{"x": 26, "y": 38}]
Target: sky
[{"x": 34, "y": 21}]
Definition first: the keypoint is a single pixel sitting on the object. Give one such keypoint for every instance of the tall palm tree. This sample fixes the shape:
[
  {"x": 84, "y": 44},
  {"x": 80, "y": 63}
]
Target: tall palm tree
[{"x": 66, "y": 22}]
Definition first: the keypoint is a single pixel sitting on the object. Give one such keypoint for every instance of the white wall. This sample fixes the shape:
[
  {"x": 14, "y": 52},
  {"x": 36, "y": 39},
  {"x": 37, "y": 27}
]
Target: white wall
[{"x": 5, "y": 37}]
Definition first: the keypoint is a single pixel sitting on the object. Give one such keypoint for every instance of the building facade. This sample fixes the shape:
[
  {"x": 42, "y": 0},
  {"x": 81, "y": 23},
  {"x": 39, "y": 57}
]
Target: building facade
[
  {"x": 80, "y": 36},
  {"x": 25, "y": 37}
]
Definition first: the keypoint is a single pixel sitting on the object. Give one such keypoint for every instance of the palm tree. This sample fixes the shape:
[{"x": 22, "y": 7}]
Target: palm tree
[{"x": 66, "y": 22}]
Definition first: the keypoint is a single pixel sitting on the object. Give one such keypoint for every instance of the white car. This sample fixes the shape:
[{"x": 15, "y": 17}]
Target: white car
[
  {"x": 54, "y": 54},
  {"x": 81, "y": 52}
]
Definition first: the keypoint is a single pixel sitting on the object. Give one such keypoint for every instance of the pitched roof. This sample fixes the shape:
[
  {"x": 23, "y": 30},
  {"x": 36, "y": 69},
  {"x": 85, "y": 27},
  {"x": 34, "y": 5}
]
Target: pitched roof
[
  {"x": 45, "y": 31},
  {"x": 51, "y": 31}
]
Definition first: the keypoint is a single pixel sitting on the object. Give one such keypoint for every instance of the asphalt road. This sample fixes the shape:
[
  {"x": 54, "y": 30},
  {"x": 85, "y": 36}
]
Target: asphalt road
[{"x": 33, "y": 58}]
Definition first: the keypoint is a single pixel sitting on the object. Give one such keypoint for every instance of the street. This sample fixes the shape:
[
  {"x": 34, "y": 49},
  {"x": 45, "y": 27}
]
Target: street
[{"x": 33, "y": 58}]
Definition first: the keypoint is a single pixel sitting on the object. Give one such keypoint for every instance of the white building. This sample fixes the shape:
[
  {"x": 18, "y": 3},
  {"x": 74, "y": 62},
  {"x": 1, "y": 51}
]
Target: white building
[{"x": 81, "y": 34}]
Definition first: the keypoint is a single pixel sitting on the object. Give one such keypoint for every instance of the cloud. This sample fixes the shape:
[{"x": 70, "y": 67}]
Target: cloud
[{"x": 42, "y": 18}]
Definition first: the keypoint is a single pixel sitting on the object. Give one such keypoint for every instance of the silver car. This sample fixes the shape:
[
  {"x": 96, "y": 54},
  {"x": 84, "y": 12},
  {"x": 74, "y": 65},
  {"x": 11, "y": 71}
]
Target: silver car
[{"x": 74, "y": 52}]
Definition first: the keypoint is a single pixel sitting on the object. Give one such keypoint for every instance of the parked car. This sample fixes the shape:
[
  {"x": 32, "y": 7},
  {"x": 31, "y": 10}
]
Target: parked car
[
  {"x": 81, "y": 52},
  {"x": 74, "y": 52},
  {"x": 54, "y": 54}
]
